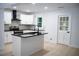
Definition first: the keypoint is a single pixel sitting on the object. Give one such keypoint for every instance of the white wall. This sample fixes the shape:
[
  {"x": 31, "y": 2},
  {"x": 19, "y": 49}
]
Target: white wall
[
  {"x": 2, "y": 6},
  {"x": 75, "y": 28},
  {"x": 1, "y": 31},
  {"x": 50, "y": 20},
  {"x": 49, "y": 25}
]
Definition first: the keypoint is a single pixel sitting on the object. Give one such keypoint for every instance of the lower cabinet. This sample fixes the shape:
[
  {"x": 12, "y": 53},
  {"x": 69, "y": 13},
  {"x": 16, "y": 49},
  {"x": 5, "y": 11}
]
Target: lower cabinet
[
  {"x": 27, "y": 46},
  {"x": 16, "y": 46},
  {"x": 8, "y": 37}
]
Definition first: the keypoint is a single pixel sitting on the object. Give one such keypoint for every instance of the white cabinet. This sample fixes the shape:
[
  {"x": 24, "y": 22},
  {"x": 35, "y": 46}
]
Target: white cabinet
[
  {"x": 7, "y": 17},
  {"x": 16, "y": 46},
  {"x": 8, "y": 36},
  {"x": 26, "y": 19},
  {"x": 31, "y": 45},
  {"x": 27, "y": 46}
]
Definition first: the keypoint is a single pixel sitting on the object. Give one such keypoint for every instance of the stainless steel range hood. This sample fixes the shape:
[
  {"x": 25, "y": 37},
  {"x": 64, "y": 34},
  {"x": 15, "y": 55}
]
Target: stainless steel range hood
[{"x": 14, "y": 16}]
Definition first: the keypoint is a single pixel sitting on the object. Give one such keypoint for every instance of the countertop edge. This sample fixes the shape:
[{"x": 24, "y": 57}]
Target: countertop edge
[
  {"x": 29, "y": 36},
  {"x": 22, "y": 30}
]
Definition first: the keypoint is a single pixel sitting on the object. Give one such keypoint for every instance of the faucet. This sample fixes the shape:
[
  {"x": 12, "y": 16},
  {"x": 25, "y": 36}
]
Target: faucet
[{"x": 38, "y": 30}]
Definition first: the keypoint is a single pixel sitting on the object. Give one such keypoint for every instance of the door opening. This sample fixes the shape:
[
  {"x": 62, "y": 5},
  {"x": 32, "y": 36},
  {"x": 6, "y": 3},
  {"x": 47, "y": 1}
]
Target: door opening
[{"x": 64, "y": 30}]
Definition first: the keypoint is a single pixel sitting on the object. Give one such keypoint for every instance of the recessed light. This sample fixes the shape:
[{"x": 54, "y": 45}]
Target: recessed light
[
  {"x": 46, "y": 8},
  {"x": 28, "y": 11},
  {"x": 14, "y": 7},
  {"x": 33, "y": 3}
]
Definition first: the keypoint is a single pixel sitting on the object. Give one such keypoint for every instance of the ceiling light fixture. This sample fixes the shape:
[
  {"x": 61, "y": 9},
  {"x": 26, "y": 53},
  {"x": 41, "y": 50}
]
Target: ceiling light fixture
[{"x": 46, "y": 8}]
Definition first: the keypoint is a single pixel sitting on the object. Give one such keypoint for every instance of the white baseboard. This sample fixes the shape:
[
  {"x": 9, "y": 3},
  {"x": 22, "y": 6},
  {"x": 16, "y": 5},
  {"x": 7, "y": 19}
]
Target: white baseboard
[
  {"x": 51, "y": 41},
  {"x": 74, "y": 46},
  {"x": 71, "y": 45},
  {"x": 1, "y": 52}
]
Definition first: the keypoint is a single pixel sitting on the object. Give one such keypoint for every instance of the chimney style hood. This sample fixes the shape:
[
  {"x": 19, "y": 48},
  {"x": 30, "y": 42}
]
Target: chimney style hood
[{"x": 14, "y": 16}]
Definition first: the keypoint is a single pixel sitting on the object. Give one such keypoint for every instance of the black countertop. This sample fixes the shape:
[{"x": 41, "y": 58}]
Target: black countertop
[
  {"x": 23, "y": 30},
  {"x": 7, "y": 30},
  {"x": 27, "y": 35}
]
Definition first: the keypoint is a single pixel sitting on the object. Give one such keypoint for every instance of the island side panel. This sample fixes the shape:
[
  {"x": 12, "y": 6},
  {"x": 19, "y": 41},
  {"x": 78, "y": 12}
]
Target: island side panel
[
  {"x": 31, "y": 45},
  {"x": 16, "y": 45}
]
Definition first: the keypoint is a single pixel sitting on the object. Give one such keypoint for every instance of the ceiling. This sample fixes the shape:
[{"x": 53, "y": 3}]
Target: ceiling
[{"x": 42, "y": 7}]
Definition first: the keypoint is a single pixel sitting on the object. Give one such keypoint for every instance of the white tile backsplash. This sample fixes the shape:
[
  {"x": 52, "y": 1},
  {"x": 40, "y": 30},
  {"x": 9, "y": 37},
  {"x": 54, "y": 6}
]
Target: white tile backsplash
[{"x": 6, "y": 27}]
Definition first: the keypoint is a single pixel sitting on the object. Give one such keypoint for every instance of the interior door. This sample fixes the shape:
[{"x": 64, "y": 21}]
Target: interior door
[{"x": 64, "y": 29}]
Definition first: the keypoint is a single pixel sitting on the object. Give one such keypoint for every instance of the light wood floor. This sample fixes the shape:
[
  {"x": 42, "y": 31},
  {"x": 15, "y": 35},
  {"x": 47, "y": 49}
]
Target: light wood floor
[
  {"x": 8, "y": 49},
  {"x": 50, "y": 49}
]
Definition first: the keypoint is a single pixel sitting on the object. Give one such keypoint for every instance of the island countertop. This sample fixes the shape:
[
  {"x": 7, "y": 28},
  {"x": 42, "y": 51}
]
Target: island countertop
[
  {"x": 27, "y": 35},
  {"x": 27, "y": 30}
]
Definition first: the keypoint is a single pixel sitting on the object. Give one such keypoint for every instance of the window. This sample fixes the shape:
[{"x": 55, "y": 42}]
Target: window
[
  {"x": 39, "y": 22},
  {"x": 64, "y": 23}
]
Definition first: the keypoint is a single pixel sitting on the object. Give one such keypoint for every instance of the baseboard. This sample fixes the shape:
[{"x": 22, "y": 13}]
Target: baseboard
[
  {"x": 74, "y": 46},
  {"x": 1, "y": 52},
  {"x": 51, "y": 41},
  {"x": 71, "y": 45}
]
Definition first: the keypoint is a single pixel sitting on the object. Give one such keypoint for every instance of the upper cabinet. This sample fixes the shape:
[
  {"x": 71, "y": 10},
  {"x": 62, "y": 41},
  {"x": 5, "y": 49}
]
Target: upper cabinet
[
  {"x": 7, "y": 17},
  {"x": 26, "y": 19}
]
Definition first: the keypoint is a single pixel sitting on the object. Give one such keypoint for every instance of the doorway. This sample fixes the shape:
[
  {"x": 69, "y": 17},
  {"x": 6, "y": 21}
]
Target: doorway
[{"x": 64, "y": 30}]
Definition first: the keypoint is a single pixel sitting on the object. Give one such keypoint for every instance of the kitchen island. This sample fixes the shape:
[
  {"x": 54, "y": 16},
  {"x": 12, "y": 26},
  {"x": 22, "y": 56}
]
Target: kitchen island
[{"x": 27, "y": 43}]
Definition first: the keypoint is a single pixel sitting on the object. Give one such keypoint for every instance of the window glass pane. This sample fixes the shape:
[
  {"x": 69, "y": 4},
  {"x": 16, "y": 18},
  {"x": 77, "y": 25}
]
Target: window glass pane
[
  {"x": 63, "y": 18},
  {"x": 39, "y": 24},
  {"x": 61, "y": 28},
  {"x": 61, "y": 23},
  {"x": 67, "y": 18},
  {"x": 40, "y": 19},
  {"x": 67, "y": 24},
  {"x": 64, "y": 23}
]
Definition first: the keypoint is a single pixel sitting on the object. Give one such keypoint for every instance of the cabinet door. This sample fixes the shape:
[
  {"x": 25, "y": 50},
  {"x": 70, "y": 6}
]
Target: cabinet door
[
  {"x": 16, "y": 46},
  {"x": 10, "y": 36},
  {"x": 6, "y": 37},
  {"x": 7, "y": 17},
  {"x": 26, "y": 19}
]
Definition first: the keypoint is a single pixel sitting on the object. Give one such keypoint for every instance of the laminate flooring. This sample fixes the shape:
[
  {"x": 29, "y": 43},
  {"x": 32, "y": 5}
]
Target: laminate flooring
[{"x": 50, "y": 49}]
